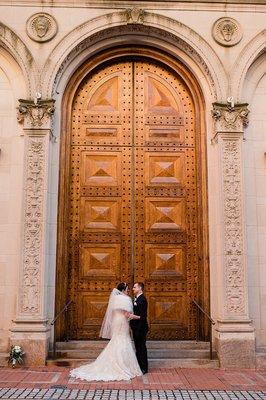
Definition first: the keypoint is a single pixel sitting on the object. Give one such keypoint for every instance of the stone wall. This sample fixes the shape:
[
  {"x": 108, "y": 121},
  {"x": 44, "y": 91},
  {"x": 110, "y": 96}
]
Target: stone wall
[
  {"x": 255, "y": 177},
  {"x": 11, "y": 187},
  {"x": 40, "y": 53}
]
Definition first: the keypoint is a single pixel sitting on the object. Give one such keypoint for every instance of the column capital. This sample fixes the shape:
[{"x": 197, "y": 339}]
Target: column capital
[
  {"x": 36, "y": 115},
  {"x": 230, "y": 117}
]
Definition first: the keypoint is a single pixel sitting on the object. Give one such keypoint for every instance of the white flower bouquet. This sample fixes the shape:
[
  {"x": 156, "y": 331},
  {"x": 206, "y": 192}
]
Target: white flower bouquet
[{"x": 16, "y": 355}]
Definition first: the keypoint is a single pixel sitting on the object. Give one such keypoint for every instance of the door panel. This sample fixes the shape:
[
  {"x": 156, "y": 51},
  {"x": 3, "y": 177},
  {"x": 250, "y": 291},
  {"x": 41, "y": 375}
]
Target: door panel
[
  {"x": 166, "y": 199},
  {"x": 133, "y": 214},
  {"x": 100, "y": 211}
]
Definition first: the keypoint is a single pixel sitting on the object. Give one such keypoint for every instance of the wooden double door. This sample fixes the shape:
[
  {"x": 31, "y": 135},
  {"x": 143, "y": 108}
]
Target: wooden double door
[{"x": 134, "y": 197}]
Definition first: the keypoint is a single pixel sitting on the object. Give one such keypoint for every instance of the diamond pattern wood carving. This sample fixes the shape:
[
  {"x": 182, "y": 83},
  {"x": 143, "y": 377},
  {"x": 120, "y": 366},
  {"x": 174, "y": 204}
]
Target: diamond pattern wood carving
[{"x": 133, "y": 196}]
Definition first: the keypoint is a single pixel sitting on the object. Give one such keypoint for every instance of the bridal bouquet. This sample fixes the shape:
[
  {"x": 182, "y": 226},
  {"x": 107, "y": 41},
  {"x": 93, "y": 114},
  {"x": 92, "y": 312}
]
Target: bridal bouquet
[{"x": 16, "y": 355}]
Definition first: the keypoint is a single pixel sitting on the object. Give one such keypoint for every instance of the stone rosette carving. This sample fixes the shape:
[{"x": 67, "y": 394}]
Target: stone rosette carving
[
  {"x": 135, "y": 16},
  {"x": 230, "y": 118},
  {"x": 29, "y": 302},
  {"x": 35, "y": 114},
  {"x": 41, "y": 27},
  {"x": 227, "y": 31}
]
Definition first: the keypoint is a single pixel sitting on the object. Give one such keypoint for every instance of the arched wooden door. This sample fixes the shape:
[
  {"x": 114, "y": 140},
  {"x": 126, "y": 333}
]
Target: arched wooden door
[{"x": 134, "y": 197}]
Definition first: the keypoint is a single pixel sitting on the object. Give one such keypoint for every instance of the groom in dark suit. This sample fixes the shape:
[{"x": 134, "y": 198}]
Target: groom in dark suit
[{"x": 140, "y": 326}]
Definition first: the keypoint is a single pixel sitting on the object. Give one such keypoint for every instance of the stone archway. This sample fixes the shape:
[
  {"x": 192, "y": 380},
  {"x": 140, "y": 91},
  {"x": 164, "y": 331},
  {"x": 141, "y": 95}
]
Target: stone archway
[
  {"x": 186, "y": 276},
  {"x": 174, "y": 41}
]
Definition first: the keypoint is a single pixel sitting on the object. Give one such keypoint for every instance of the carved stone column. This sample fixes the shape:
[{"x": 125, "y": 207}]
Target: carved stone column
[
  {"x": 234, "y": 334},
  {"x": 30, "y": 329}
]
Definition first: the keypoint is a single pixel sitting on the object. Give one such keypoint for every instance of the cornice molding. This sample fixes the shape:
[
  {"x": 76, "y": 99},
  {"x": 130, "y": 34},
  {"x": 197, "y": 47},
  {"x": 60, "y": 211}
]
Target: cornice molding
[{"x": 148, "y": 3}]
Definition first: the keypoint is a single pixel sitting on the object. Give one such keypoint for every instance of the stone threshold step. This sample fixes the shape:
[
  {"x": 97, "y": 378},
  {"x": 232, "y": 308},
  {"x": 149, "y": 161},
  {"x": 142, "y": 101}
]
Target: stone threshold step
[
  {"x": 153, "y": 363},
  {"x": 152, "y": 353},
  {"x": 151, "y": 344}
]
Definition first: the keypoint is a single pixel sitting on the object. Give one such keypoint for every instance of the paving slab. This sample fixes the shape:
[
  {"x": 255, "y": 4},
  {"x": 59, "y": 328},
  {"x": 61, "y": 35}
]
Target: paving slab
[{"x": 159, "y": 384}]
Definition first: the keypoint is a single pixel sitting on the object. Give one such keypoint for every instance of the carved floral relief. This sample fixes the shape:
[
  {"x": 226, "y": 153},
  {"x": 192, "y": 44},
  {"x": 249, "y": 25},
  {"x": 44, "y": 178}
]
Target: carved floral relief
[
  {"x": 33, "y": 225},
  {"x": 233, "y": 226},
  {"x": 230, "y": 120},
  {"x": 36, "y": 118}
]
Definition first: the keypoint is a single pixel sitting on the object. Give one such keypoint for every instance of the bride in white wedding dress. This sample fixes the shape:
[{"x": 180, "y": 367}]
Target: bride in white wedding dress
[{"x": 118, "y": 360}]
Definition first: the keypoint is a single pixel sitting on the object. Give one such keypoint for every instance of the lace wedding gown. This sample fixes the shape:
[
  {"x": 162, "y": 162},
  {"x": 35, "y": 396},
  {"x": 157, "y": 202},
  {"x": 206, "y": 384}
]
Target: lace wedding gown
[{"x": 118, "y": 360}]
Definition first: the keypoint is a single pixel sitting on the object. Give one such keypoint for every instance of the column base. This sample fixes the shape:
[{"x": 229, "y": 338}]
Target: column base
[
  {"x": 33, "y": 337},
  {"x": 235, "y": 344}
]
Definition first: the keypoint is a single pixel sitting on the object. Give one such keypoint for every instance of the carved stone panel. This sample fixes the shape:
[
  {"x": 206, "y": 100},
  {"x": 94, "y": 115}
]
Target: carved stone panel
[
  {"x": 233, "y": 227},
  {"x": 32, "y": 267},
  {"x": 230, "y": 121},
  {"x": 36, "y": 118}
]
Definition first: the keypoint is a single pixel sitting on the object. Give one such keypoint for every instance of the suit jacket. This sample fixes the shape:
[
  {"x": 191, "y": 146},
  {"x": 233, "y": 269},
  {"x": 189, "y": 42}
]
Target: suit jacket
[{"x": 140, "y": 308}]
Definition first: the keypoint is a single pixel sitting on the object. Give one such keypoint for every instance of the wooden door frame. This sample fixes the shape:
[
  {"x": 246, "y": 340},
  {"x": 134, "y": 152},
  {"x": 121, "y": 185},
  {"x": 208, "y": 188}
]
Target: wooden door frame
[{"x": 143, "y": 52}]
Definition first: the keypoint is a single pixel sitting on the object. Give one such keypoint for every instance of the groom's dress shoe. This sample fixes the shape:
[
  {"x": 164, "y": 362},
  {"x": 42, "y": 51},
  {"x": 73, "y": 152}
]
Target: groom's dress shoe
[{"x": 144, "y": 372}]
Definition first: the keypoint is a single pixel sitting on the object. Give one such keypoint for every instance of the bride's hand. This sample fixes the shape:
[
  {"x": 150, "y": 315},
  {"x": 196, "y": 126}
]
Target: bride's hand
[{"x": 133, "y": 316}]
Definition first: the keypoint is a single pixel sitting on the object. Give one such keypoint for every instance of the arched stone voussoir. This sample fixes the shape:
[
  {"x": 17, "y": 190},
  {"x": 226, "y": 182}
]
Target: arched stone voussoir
[
  {"x": 11, "y": 42},
  {"x": 120, "y": 28},
  {"x": 254, "y": 48}
]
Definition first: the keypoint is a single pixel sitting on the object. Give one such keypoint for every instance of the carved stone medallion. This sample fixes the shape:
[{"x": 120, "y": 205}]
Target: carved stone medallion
[
  {"x": 41, "y": 27},
  {"x": 227, "y": 31}
]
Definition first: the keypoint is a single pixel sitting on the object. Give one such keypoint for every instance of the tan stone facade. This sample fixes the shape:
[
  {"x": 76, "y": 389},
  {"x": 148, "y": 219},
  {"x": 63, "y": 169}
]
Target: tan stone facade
[{"x": 223, "y": 46}]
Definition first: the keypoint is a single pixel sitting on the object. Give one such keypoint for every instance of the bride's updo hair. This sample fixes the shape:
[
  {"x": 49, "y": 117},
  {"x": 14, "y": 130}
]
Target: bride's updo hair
[{"x": 122, "y": 286}]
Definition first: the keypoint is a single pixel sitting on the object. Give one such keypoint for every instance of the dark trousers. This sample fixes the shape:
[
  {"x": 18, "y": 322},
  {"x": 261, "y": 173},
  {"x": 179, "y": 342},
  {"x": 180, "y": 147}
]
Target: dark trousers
[{"x": 141, "y": 349}]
